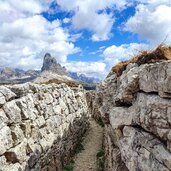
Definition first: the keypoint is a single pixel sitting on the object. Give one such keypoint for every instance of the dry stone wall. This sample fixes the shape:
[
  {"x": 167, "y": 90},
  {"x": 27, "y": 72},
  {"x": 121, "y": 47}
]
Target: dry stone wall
[
  {"x": 92, "y": 106},
  {"x": 40, "y": 125},
  {"x": 136, "y": 109}
]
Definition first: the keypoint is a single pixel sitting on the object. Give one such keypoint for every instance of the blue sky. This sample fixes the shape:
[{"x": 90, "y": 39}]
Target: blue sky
[
  {"x": 85, "y": 36},
  {"x": 90, "y": 49}
]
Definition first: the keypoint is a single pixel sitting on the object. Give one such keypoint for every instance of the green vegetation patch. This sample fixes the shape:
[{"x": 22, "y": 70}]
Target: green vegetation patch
[
  {"x": 100, "y": 122},
  {"x": 100, "y": 159},
  {"x": 69, "y": 166},
  {"x": 79, "y": 147}
]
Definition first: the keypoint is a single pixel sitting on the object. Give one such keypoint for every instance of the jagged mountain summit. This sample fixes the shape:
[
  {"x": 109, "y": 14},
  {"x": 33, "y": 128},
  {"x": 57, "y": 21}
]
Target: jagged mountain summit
[
  {"x": 51, "y": 70},
  {"x": 50, "y": 64}
]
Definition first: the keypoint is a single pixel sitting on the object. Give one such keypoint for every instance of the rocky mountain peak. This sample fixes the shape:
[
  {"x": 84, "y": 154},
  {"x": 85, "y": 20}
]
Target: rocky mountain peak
[
  {"x": 47, "y": 55},
  {"x": 50, "y": 64}
]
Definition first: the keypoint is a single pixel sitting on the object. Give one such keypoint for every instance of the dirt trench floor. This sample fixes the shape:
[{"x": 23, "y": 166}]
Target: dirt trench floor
[{"x": 86, "y": 160}]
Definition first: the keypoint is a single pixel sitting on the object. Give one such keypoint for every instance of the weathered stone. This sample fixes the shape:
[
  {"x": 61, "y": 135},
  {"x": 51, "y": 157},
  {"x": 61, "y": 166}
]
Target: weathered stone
[
  {"x": 41, "y": 126},
  {"x": 128, "y": 85},
  {"x": 26, "y": 104},
  {"x": 156, "y": 78},
  {"x": 17, "y": 134},
  {"x": 2, "y": 162},
  {"x": 12, "y": 111},
  {"x": 32, "y": 147},
  {"x": 47, "y": 140},
  {"x": 57, "y": 109},
  {"x": 53, "y": 122},
  {"x": 3, "y": 118},
  {"x": 119, "y": 112},
  {"x": 6, "y": 141},
  {"x": 8, "y": 94},
  {"x": 40, "y": 121},
  {"x": 2, "y": 99},
  {"x": 48, "y": 99},
  {"x": 35, "y": 133},
  {"x": 141, "y": 150},
  {"x": 20, "y": 89},
  {"x": 26, "y": 128},
  {"x": 152, "y": 113},
  {"x": 18, "y": 153},
  {"x": 136, "y": 108},
  {"x": 5, "y": 166},
  {"x": 112, "y": 153}
]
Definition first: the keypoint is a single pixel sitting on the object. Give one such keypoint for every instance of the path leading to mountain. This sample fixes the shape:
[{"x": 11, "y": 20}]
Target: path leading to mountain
[{"x": 86, "y": 160}]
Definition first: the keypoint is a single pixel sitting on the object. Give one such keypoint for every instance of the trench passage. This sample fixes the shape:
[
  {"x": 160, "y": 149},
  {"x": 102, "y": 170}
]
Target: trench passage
[{"x": 86, "y": 160}]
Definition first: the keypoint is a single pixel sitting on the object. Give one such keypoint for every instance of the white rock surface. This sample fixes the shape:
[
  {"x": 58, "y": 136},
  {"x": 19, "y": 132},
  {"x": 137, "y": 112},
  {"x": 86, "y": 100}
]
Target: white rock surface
[
  {"x": 136, "y": 108},
  {"x": 39, "y": 125}
]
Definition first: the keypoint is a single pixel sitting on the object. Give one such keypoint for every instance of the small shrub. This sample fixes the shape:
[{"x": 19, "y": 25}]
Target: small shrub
[
  {"x": 100, "y": 159},
  {"x": 69, "y": 166},
  {"x": 79, "y": 147},
  {"x": 100, "y": 122}
]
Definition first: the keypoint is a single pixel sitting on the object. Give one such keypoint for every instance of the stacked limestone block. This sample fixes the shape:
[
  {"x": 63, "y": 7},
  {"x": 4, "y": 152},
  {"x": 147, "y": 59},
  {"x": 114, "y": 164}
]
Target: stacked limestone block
[
  {"x": 40, "y": 125},
  {"x": 136, "y": 109}
]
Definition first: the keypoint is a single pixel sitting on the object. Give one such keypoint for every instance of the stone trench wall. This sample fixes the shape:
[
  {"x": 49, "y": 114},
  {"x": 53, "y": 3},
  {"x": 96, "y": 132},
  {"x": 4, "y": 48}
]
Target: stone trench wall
[
  {"x": 40, "y": 125},
  {"x": 92, "y": 106},
  {"x": 136, "y": 109}
]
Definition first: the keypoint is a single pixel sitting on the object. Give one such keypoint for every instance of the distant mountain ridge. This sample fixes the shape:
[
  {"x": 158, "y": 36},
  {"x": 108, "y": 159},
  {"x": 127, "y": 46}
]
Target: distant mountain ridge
[
  {"x": 84, "y": 78},
  {"x": 51, "y": 69},
  {"x": 10, "y": 75}
]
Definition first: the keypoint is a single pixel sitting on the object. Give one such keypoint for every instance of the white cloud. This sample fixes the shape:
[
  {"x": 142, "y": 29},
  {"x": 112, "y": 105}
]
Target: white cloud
[
  {"x": 26, "y": 37},
  {"x": 66, "y": 20},
  {"x": 114, "y": 54},
  {"x": 87, "y": 15},
  {"x": 30, "y": 6},
  {"x": 75, "y": 37},
  {"x": 14, "y": 9},
  {"x": 152, "y": 21},
  {"x": 100, "y": 50},
  {"x": 93, "y": 69}
]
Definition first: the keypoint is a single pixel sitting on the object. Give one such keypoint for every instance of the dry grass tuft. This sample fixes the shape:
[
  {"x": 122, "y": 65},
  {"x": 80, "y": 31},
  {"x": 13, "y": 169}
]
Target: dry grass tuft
[
  {"x": 69, "y": 83},
  {"x": 162, "y": 52}
]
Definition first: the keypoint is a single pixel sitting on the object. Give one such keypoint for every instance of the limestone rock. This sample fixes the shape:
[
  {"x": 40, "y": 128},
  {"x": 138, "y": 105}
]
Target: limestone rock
[
  {"x": 3, "y": 118},
  {"x": 135, "y": 106},
  {"x": 154, "y": 114},
  {"x": 12, "y": 111},
  {"x": 40, "y": 121},
  {"x": 120, "y": 117},
  {"x": 26, "y": 105},
  {"x": 8, "y": 94},
  {"x": 141, "y": 150},
  {"x": 128, "y": 85},
  {"x": 5, "y": 166},
  {"x": 2, "y": 99},
  {"x": 6, "y": 141},
  {"x": 26, "y": 128},
  {"x": 17, "y": 154},
  {"x": 39, "y": 125},
  {"x": 156, "y": 78}
]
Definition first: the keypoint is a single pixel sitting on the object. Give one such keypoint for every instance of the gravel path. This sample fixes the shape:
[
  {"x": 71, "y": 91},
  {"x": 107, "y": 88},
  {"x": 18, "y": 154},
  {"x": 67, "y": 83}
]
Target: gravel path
[{"x": 86, "y": 159}]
